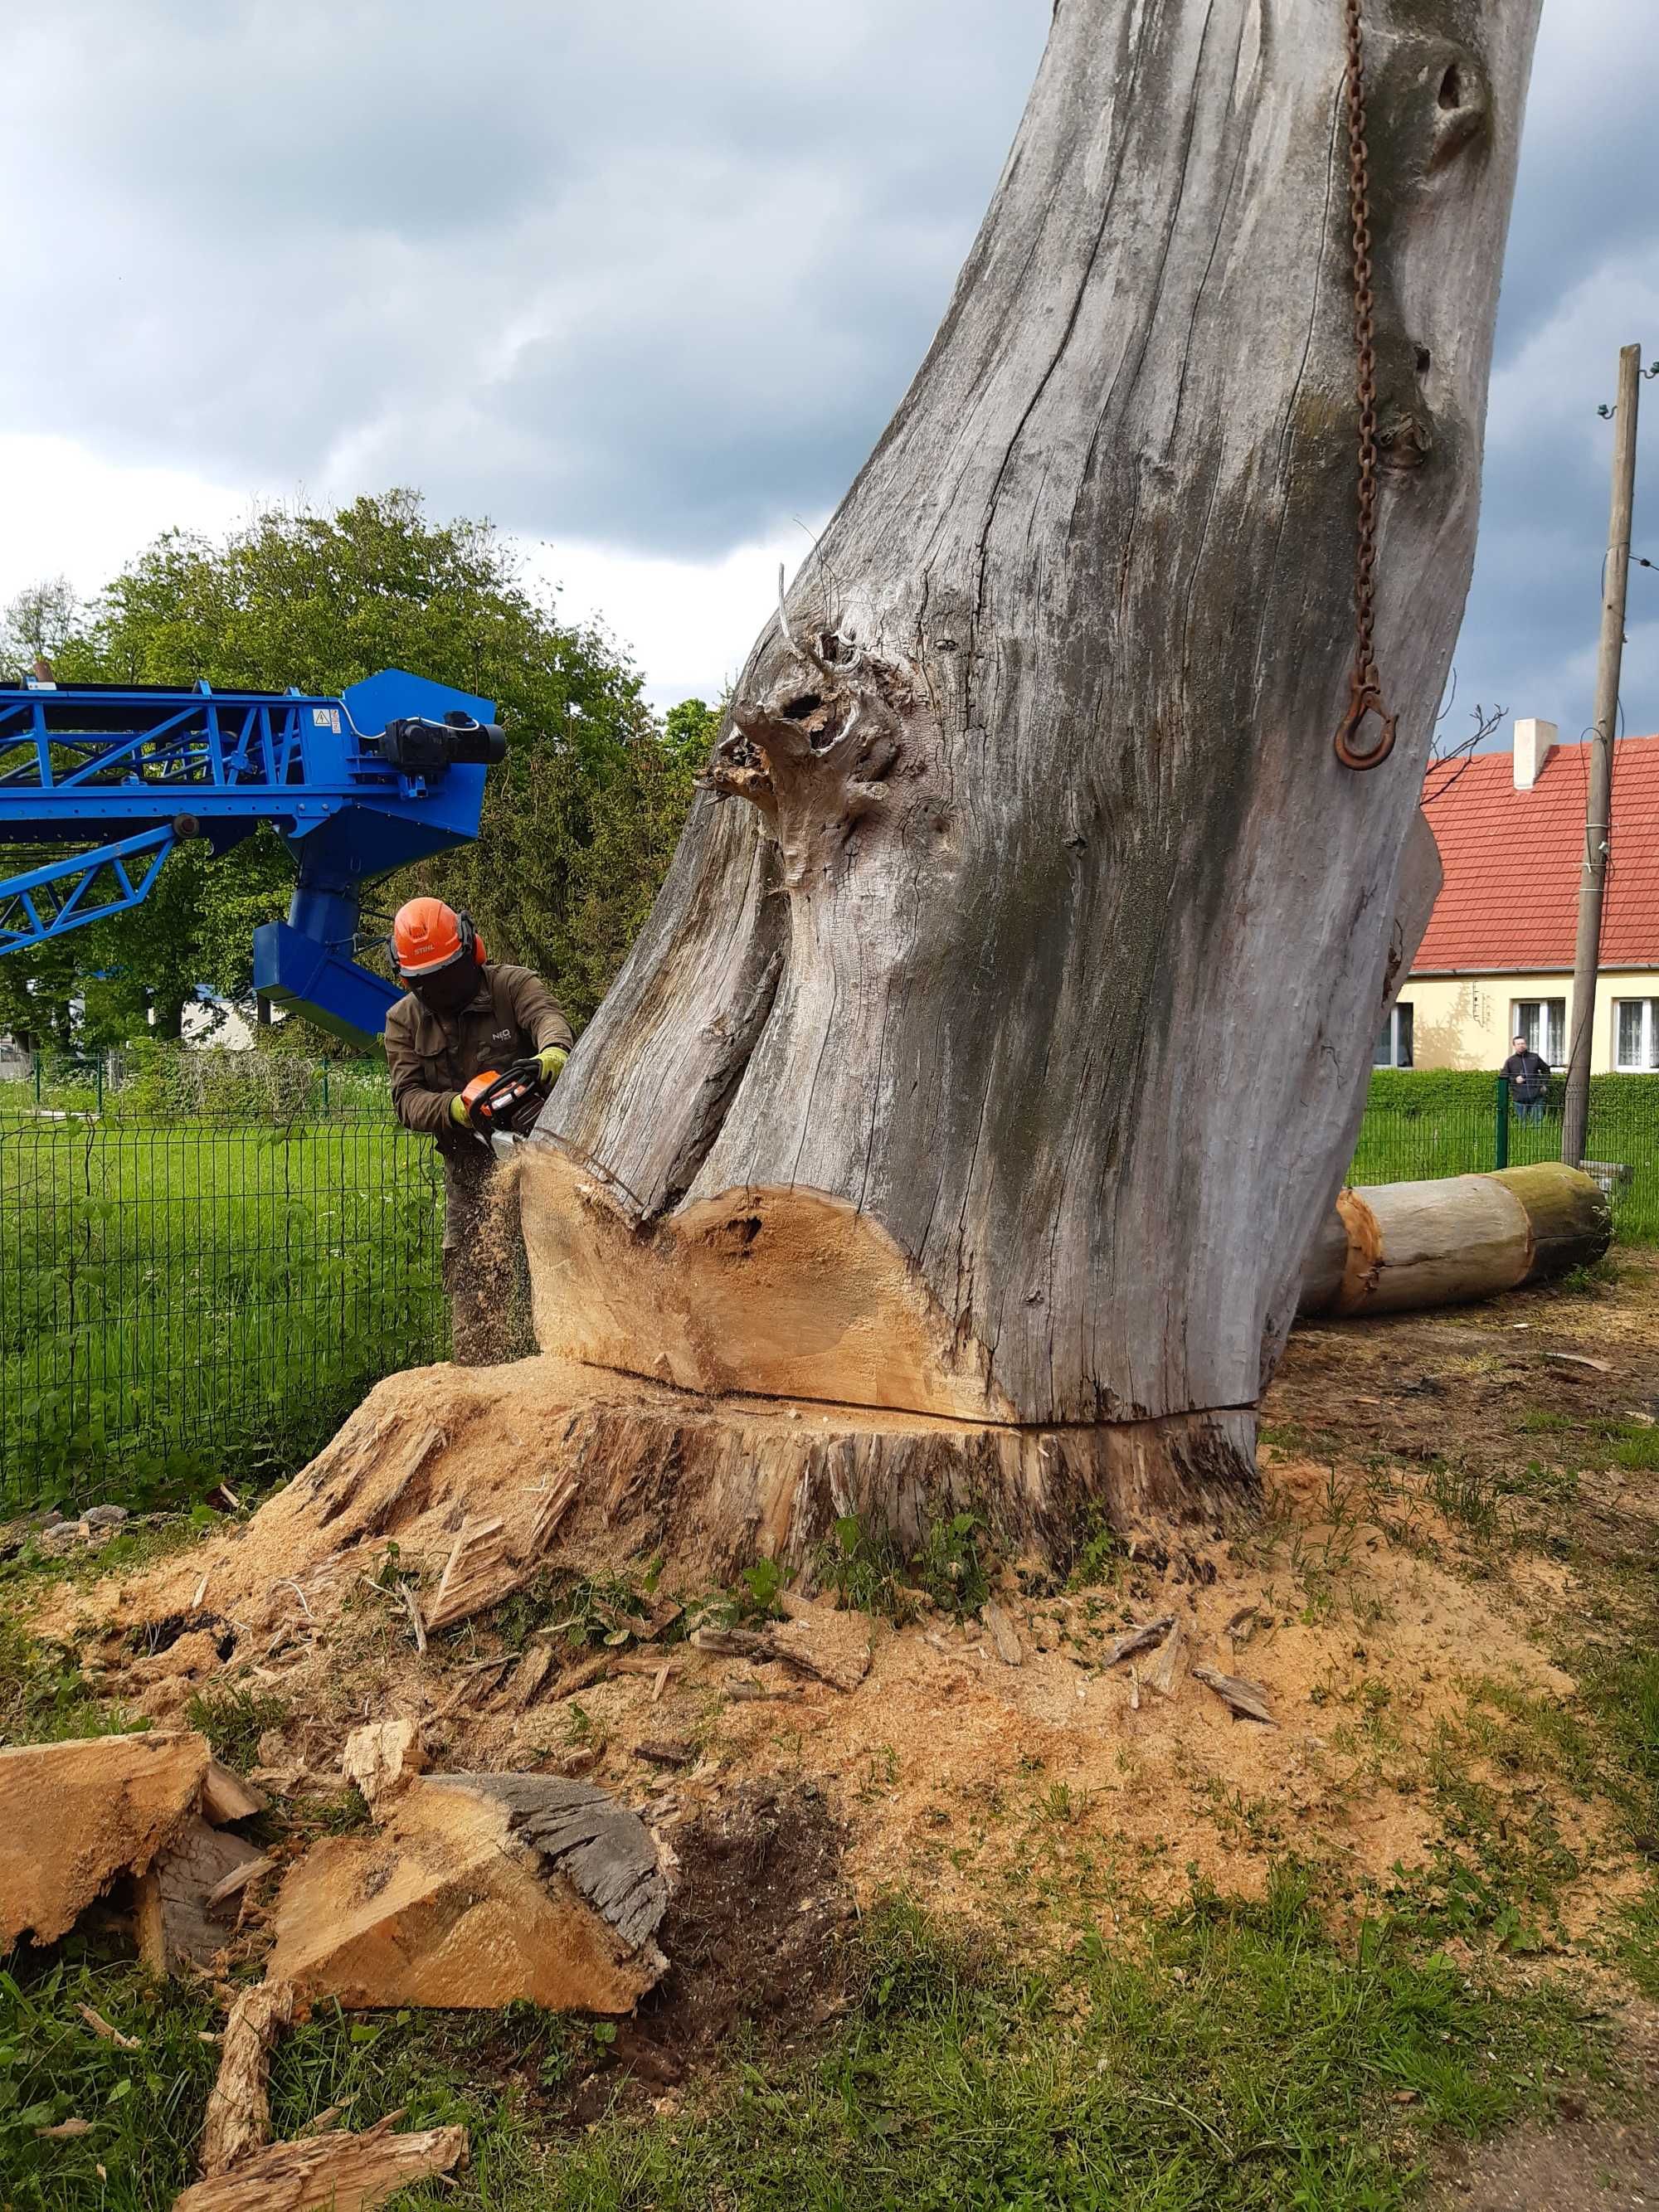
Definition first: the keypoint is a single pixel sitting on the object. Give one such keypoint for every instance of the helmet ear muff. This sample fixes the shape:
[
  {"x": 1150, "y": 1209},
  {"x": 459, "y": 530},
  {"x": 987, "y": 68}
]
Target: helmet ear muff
[{"x": 471, "y": 943}]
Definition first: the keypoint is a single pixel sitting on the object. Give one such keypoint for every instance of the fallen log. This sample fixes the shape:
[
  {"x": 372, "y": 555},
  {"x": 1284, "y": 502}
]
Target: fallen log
[
  {"x": 1396, "y": 1247},
  {"x": 344, "y": 2172}
]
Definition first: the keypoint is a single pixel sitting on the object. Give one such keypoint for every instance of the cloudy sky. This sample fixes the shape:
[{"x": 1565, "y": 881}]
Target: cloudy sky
[{"x": 642, "y": 280}]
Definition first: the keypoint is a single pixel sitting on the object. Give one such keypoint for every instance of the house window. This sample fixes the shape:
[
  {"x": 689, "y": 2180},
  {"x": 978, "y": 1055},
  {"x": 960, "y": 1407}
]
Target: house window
[
  {"x": 1543, "y": 1023},
  {"x": 1394, "y": 1047},
  {"x": 1636, "y": 1036}
]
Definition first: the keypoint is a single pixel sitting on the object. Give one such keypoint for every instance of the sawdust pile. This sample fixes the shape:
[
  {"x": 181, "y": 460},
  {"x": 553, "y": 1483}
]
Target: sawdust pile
[{"x": 980, "y": 1784}]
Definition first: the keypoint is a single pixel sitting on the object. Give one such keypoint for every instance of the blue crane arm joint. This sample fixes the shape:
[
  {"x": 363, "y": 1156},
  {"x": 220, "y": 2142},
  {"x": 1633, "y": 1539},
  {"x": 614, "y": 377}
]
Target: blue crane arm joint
[{"x": 390, "y": 772}]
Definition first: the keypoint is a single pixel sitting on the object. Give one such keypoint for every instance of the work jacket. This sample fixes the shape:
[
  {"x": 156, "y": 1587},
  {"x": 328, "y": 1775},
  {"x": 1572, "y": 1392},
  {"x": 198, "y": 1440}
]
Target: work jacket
[
  {"x": 511, "y": 1016},
  {"x": 1528, "y": 1074}
]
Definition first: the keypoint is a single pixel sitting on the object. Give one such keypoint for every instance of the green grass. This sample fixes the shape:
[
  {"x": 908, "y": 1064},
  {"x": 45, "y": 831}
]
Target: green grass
[
  {"x": 44, "y": 1696},
  {"x": 1235, "y": 2057},
  {"x": 233, "y": 1721},
  {"x": 184, "y": 1305}
]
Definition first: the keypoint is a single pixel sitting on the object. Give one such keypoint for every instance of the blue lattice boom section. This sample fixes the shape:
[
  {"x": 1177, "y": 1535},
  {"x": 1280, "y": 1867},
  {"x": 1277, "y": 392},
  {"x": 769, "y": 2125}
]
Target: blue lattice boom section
[{"x": 99, "y": 782}]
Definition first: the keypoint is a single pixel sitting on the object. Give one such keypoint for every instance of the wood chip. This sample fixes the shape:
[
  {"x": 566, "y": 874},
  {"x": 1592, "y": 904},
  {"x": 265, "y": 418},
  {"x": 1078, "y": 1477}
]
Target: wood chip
[
  {"x": 474, "y": 1566},
  {"x": 380, "y": 1756},
  {"x": 345, "y": 2173},
  {"x": 238, "y": 1878},
  {"x": 201, "y": 1592},
  {"x": 65, "y": 2130},
  {"x": 325, "y": 2120},
  {"x": 1004, "y": 1635},
  {"x": 100, "y": 2027},
  {"x": 225, "y": 1797},
  {"x": 1578, "y": 1359},
  {"x": 1134, "y": 1690},
  {"x": 1247, "y": 1701},
  {"x": 659, "y": 1683},
  {"x": 1137, "y": 1640},
  {"x": 666, "y": 1753},
  {"x": 238, "y": 2121},
  {"x": 407, "y": 1593},
  {"x": 1243, "y": 1626},
  {"x": 526, "y": 1678},
  {"x": 1165, "y": 1672}
]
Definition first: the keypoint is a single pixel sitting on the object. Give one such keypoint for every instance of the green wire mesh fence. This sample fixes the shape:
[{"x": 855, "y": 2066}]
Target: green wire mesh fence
[
  {"x": 1423, "y": 1123},
  {"x": 206, "y": 1301},
  {"x": 207, "y": 1259}
]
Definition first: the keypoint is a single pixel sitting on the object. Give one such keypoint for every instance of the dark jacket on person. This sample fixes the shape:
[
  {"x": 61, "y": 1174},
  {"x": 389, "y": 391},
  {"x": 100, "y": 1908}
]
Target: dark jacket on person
[
  {"x": 1528, "y": 1074},
  {"x": 431, "y": 1057}
]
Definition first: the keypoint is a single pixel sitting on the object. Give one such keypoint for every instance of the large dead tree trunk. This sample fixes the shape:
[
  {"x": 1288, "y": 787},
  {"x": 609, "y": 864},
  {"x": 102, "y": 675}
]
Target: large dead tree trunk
[{"x": 999, "y": 1041}]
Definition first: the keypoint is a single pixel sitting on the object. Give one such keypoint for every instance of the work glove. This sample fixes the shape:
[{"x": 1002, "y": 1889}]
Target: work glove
[
  {"x": 550, "y": 1063},
  {"x": 457, "y": 1112}
]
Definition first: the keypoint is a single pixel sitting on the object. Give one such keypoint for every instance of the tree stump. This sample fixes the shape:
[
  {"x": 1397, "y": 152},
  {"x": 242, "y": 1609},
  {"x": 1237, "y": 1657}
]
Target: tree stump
[{"x": 1000, "y": 1038}]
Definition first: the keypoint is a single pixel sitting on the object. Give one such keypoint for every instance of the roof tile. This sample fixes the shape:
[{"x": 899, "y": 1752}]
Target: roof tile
[{"x": 1509, "y": 901}]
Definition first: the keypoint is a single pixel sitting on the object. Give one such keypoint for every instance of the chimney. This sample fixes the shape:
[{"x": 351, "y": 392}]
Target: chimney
[{"x": 1534, "y": 742}]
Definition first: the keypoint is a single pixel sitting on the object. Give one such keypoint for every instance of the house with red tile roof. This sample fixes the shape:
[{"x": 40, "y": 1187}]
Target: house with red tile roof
[{"x": 1495, "y": 960}]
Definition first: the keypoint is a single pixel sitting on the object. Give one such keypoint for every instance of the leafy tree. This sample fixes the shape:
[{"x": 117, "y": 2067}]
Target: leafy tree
[
  {"x": 36, "y": 625},
  {"x": 578, "y": 824}
]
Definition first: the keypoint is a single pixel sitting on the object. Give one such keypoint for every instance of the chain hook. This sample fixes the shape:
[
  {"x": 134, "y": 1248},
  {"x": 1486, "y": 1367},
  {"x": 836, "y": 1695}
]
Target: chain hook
[
  {"x": 1365, "y": 699},
  {"x": 1365, "y": 685}
]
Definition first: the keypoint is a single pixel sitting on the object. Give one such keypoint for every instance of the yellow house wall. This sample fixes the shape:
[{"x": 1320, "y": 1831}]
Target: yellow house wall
[{"x": 1465, "y": 1021}]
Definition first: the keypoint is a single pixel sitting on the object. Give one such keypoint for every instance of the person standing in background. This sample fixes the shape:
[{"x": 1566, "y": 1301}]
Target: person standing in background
[{"x": 1528, "y": 1078}]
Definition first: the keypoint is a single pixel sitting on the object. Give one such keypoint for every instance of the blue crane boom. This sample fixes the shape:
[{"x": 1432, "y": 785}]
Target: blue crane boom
[{"x": 389, "y": 772}]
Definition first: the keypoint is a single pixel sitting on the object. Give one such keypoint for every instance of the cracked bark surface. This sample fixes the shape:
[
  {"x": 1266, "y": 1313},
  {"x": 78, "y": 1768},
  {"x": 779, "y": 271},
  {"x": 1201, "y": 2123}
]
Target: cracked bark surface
[{"x": 1026, "y": 917}]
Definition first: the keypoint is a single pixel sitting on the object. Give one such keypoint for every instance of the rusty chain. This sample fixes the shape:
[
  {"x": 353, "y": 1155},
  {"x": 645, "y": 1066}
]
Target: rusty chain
[{"x": 1364, "y": 686}]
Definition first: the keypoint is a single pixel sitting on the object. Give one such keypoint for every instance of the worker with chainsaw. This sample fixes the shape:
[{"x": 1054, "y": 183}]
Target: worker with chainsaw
[{"x": 473, "y": 1048}]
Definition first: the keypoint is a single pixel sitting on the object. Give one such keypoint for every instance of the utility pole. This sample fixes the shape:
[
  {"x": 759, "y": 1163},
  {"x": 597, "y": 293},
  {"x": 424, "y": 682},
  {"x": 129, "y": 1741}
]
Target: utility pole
[{"x": 1598, "y": 810}]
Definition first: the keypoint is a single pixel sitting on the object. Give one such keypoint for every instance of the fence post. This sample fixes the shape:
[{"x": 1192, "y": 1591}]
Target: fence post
[
  {"x": 36, "y": 1057},
  {"x": 324, "y": 1091},
  {"x": 99, "y": 1066},
  {"x": 1501, "y": 1129}
]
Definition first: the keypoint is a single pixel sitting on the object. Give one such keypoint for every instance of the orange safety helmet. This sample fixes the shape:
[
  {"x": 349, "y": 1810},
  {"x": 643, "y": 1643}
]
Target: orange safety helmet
[{"x": 427, "y": 935}]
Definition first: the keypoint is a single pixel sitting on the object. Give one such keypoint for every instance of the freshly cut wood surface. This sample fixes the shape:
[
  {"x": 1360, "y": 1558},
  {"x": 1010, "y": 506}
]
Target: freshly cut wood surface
[
  {"x": 458, "y": 1901},
  {"x": 75, "y": 1815},
  {"x": 342, "y": 2172},
  {"x": 226, "y": 1796}
]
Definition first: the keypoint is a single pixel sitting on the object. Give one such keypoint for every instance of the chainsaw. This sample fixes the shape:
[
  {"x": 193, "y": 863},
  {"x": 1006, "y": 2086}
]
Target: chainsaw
[{"x": 502, "y": 1109}]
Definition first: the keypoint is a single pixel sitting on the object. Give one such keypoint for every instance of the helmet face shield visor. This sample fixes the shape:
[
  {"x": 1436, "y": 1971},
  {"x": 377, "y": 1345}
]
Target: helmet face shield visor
[{"x": 445, "y": 990}]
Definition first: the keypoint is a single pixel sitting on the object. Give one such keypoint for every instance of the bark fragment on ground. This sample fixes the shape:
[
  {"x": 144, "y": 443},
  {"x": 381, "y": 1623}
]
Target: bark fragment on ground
[
  {"x": 189, "y": 1898},
  {"x": 238, "y": 2120},
  {"x": 343, "y": 2173},
  {"x": 74, "y": 1816},
  {"x": 479, "y": 1890},
  {"x": 1245, "y": 1700}
]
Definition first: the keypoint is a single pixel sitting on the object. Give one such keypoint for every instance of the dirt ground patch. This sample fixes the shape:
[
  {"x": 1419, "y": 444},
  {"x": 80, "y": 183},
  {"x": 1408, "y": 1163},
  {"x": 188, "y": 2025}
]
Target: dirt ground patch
[
  {"x": 752, "y": 1937},
  {"x": 1459, "y": 1520}
]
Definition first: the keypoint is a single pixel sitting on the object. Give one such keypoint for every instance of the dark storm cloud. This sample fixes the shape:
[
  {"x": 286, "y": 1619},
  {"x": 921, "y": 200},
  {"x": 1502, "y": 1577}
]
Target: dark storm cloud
[{"x": 656, "y": 274}]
